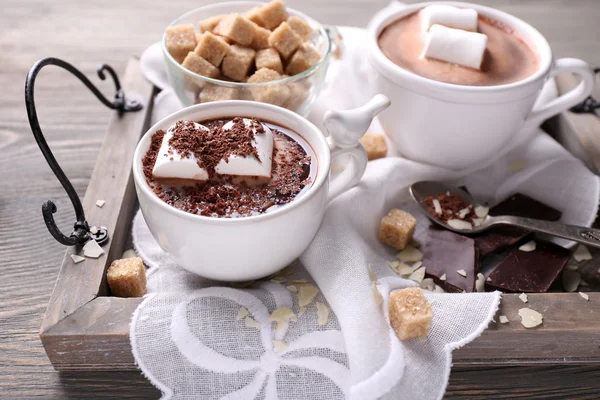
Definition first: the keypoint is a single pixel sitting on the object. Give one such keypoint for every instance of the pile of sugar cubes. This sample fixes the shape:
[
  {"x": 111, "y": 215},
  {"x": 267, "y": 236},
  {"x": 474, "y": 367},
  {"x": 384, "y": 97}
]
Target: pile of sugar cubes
[{"x": 261, "y": 45}]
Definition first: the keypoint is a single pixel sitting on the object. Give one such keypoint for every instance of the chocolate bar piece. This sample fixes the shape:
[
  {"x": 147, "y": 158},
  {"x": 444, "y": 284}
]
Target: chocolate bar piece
[
  {"x": 534, "y": 271},
  {"x": 519, "y": 205},
  {"x": 447, "y": 253}
]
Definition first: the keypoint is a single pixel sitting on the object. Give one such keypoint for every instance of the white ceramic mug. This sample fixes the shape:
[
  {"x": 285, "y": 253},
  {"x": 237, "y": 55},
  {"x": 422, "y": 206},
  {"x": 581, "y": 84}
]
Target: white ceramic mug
[
  {"x": 465, "y": 127},
  {"x": 240, "y": 249}
]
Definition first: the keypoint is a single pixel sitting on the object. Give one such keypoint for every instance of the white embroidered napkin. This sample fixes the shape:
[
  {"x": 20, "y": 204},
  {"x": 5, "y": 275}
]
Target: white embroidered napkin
[{"x": 188, "y": 340}]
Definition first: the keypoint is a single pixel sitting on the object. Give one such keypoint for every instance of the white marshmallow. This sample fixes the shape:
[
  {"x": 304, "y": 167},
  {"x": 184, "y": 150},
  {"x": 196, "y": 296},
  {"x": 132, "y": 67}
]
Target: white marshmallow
[
  {"x": 250, "y": 165},
  {"x": 178, "y": 167},
  {"x": 452, "y": 17},
  {"x": 455, "y": 46}
]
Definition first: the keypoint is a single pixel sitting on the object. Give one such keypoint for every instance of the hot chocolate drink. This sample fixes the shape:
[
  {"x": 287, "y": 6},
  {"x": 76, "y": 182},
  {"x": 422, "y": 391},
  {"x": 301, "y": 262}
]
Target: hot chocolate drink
[
  {"x": 228, "y": 168},
  {"x": 507, "y": 57}
]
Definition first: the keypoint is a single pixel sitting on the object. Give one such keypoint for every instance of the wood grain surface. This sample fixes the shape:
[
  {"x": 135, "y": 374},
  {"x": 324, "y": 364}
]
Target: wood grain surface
[{"x": 109, "y": 31}]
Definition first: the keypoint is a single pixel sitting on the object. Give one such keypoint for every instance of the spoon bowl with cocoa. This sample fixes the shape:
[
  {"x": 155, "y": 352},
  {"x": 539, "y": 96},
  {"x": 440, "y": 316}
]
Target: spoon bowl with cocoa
[{"x": 454, "y": 209}]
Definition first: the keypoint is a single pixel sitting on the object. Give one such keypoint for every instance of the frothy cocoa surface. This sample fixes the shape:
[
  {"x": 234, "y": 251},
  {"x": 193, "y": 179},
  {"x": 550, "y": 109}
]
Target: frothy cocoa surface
[
  {"x": 228, "y": 196},
  {"x": 508, "y": 58}
]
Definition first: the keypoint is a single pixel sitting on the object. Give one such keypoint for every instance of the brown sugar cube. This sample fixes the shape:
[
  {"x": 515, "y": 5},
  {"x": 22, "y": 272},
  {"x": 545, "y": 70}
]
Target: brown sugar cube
[
  {"x": 216, "y": 93},
  {"x": 304, "y": 58},
  {"x": 261, "y": 38},
  {"x": 271, "y": 15},
  {"x": 410, "y": 313},
  {"x": 284, "y": 40},
  {"x": 269, "y": 58},
  {"x": 212, "y": 48},
  {"x": 236, "y": 28},
  {"x": 254, "y": 15},
  {"x": 127, "y": 277},
  {"x": 199, "y": 65},
  {"x": 397, "y": 228},
  {"x": 276, "y": 94},
  {"x": 374, "y": 145},
  {"x": 298, "y": 94},
  {"x": 208, "y": 24},
  {"x": 237, "y": 62},
  {"x": 301, "y": 27},
  {"x": 180, "y": 40}
]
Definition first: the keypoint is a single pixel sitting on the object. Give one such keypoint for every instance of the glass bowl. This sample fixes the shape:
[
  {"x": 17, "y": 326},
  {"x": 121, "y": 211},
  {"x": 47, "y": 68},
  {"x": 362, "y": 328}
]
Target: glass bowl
[{"x": 300, "y": 90}]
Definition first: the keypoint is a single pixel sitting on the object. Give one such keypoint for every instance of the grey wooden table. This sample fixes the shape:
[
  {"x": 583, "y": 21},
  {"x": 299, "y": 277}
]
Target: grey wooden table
[{"x": 109, "y": 31}]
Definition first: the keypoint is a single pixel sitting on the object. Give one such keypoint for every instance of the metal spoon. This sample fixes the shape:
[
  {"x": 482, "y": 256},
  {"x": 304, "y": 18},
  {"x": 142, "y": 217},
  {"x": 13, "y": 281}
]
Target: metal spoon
[{"x": 423, "y": 189}]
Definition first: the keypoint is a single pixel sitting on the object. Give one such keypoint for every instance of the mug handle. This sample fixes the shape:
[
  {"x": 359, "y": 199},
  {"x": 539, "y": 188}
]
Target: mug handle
[
  {"x": 346, "y": 127},
  {"x": 570, "y": 98}
]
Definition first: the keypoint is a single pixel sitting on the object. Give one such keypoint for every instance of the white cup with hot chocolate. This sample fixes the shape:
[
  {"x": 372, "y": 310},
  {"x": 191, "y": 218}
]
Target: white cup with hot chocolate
[
  {"x": 458, "y": 117},
  {"x": 206, "y": 209}
]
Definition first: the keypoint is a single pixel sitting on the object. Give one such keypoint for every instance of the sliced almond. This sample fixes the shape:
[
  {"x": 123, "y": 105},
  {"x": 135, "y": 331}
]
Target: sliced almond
[
  {"x": 570, "y": 280},
  {"x": 503, "y": 319},
  {"x": 585, "y": 296},
  {"x": 92, "y": 249},
  {"x": 301, "y": 311},
  {"x": 410, "y": 254},
  {"x": 322, "y": 313},
  {"x": 530, "y": 318},
  {"x": 573, "y": 267},
  {"x": 281, "y": 317},
  {"x": 438, "y": 289},
  {"x": 306, "y": 294},
  {"x": 418, "y": 275},
  {"x": 437, "y": 206},
  {"x": 478, "y": 221},
  {"x": 460, "y": 225},
  {"x": 404, "y": 270},
  {"x": 300, "y": 281},
  {"x": 417, "y": 265},
  {"x": 372, "y": 273},
  {"x": 464, "y": 212},
  {"x": 278, "y": 280},
  {"x": 482, "y": 211},
  {"x": 529, "y": 246},
  {"x": 488, "y": 279},
  {"x": 279, "y": 345},
  {"x": 130, "y": 253},
  {"x": 100, "y": 203},
  {"x": 480, "y": 283},
  {"x": 582, "y": 254},
  {"x": 523, "y": 297},
  {"x": 77, "y": 259},
  {"x": 292, "y": 288},
  {"x": 376, "y": 294},
  {"x": 250, "y": 323},
  {"x": 462, "y": 273},
  {"x": 427, "y": 284},
  {"x": 443, "y": 277},
  {"x": 242, "y": 313}
]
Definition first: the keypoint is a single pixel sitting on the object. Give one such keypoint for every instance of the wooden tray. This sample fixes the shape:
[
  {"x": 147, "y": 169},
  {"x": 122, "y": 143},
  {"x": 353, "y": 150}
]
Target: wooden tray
[{"x": 84, "y": 328}]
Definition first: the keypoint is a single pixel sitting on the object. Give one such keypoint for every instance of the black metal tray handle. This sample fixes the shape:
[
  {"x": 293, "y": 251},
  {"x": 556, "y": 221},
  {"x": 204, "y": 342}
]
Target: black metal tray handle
[{"x": 81, "y": 229}]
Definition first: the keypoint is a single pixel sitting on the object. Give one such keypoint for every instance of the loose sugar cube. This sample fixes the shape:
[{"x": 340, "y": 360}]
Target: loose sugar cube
[
  {"x": 271, "y": 15},
  {"x": 237, "y": 62},
  {"x": 261, "y": 38},
  {"x": 127, "y": 277},
  {"x": 284, "y": 40},
  {"x": 236, "y": 28},
  {"x": 276, "y": 94},
  {"x": 304, "y": 58},
  {"x": 180, "y": 40},
  {"x": 212, "y": 48},
  {"x": 199, "y": 65},
  {"x": 269, "y": 58},
  {"x": 397, "y": 228},
  {"x": 301, "y": 27},
  {"x": 374, "y": 145},
  {"x": 410, "y": 313},
  {"x": 216, "y": 93},
  {"x": 207, "y": 25}
]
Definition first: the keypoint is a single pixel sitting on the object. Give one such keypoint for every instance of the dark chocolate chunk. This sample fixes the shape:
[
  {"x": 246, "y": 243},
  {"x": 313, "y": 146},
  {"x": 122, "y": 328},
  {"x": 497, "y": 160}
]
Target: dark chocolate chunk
[
  {"x": 520, "y": 205},
  {"x": 446, "y": 253},
  {"x": 532, "y": 271},
  {"x": 501, "y": 237}
]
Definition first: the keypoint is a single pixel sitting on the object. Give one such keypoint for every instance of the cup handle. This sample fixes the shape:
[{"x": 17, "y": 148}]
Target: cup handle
[
  {"x": 570, "y": 98},
  {"x": 345, "y": 128}
]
